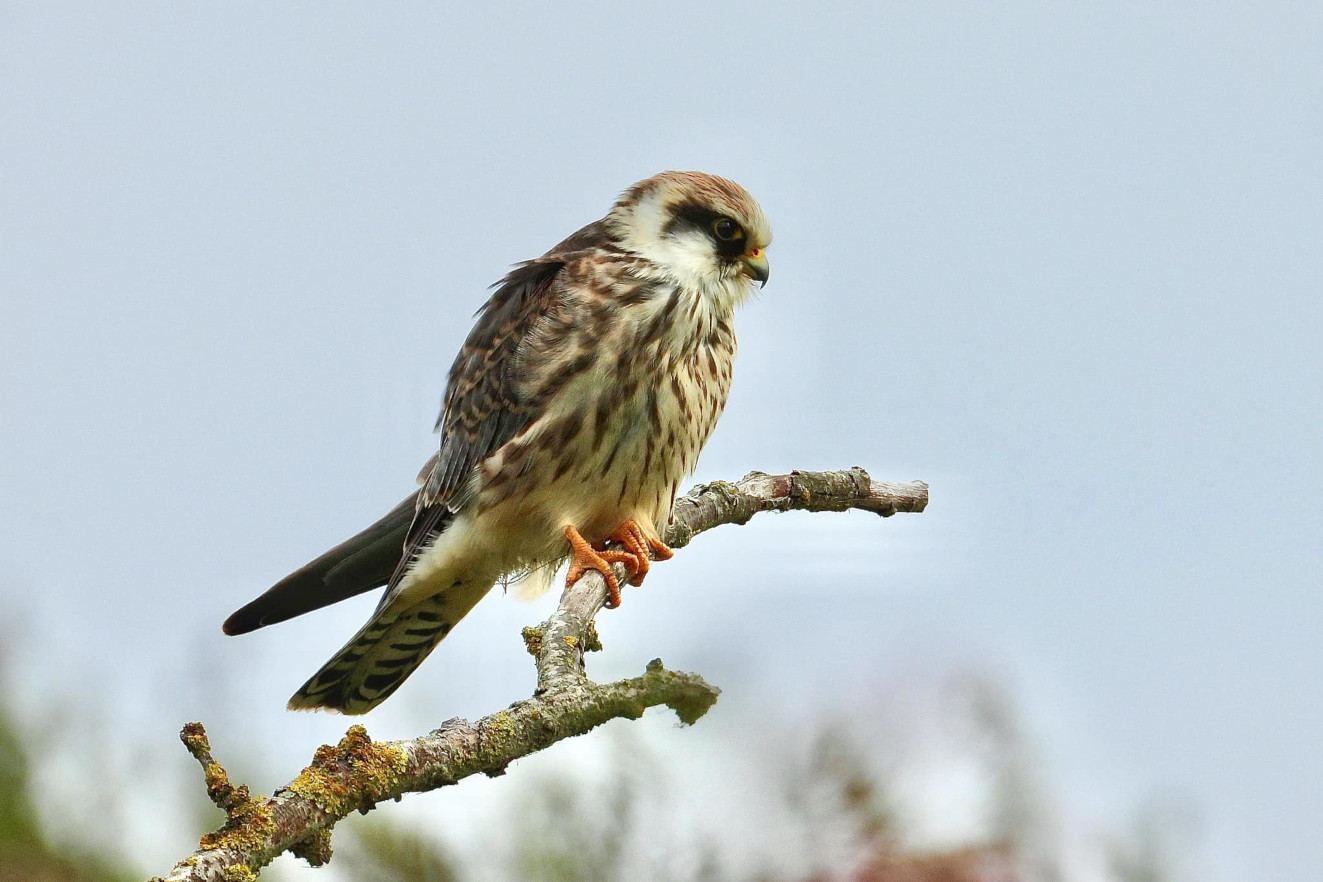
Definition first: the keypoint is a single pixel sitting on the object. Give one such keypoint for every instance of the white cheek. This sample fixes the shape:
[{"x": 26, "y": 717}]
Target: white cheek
[
  {"x": 689, "y": 255},
  {"x": 690, "y": 259}
]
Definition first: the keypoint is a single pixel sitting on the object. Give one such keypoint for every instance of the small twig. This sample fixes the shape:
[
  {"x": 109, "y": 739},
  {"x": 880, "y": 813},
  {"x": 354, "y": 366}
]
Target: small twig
[
  {"x": 219, "y": 789},
  {"x": 358, "y": 773}
]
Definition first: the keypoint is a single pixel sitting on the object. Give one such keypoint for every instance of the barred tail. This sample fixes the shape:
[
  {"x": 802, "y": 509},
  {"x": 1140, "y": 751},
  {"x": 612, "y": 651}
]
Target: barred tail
[{"x": 382, "y": 655}]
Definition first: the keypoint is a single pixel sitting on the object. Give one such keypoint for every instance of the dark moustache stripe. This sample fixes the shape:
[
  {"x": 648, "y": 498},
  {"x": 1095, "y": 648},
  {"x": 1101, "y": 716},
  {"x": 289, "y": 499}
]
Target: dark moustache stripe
[{"x": 700, "y": 217}]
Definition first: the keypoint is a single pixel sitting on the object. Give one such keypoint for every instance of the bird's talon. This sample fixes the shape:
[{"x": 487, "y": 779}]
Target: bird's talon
[
  {"x": 638, "y": 543},
  {"x": 588, "y": 558},
  {"x": 660, "y": 549}
]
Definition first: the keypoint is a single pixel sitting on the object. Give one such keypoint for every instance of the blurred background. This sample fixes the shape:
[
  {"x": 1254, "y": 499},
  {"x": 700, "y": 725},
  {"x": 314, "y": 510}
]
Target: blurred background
[{"x": 1061, "y": 261}]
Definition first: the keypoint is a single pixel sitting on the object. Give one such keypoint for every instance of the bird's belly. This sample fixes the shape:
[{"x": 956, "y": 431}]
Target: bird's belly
[{"x": 601, "y": 459}]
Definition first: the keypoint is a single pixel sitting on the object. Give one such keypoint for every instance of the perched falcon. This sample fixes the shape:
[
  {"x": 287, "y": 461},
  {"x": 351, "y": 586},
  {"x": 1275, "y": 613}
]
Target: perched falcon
[{"x": 580, "y": 400}]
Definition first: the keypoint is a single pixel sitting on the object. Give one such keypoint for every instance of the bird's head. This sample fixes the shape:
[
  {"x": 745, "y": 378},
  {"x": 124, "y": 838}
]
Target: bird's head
[{"x": 700, "y": 229}]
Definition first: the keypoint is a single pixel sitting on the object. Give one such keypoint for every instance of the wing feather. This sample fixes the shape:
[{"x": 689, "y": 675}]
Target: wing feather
[
  {"x": 484, "y": 408},
  {"x": 358, "y": 564},
  {"x": 485, "y": 404}
]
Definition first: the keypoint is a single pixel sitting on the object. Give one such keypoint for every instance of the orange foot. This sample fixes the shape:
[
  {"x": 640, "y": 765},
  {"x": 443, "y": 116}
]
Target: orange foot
[
  {"x": 588, "y": 558},
  {"x": 638, "y": 543}
]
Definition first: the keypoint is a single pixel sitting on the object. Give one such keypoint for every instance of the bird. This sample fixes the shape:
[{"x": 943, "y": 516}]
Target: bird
[{"x": 591, "y": 380}]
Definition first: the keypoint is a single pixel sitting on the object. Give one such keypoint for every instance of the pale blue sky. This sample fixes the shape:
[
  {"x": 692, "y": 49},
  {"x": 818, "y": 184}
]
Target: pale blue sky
[{"x": 1062, "y": 261}]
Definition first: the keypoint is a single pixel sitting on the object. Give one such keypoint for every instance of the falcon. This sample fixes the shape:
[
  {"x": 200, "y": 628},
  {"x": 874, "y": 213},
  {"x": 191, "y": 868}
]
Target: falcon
[{"x": 581, "y": 398}]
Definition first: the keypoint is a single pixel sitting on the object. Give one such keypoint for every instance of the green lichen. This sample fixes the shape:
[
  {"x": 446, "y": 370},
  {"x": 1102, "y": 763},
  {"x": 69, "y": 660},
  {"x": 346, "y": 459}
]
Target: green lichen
[
  {"x": 691, "y": 707},
  {"x": 498, "y": 741},
  {"x": 219, "y": 789},
  {"x": 195, "y": 739},
  {"x": 591, "y": 642},
  {"x": 690, "y": 696},
  {"x": 316, "y": 849},
  {"x": 533, "y": 641},
  {"x": 239, "y": 873},
  {"x": 248, "y": 823},
  {"x": 248, "y": 828},
  {"x": 354, "y": 774},
  {"x": 726, "y": 489},
  {"x": 498, "y": 726},
  {"x": 570, "y": 640}
]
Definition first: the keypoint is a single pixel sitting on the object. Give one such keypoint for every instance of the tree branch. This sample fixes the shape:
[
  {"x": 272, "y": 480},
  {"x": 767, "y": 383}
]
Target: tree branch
[{"x": 358, "y": 773}]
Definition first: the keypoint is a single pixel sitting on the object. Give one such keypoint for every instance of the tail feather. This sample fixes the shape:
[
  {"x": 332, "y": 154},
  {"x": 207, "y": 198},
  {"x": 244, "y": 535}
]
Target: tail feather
[
  {"x": 382, "y": 655},
  {"x": 358, "y": 564}
]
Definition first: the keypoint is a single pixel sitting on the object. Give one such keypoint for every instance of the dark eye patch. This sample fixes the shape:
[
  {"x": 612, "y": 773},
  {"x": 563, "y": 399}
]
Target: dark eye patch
[{"x": 692, "y": 214}]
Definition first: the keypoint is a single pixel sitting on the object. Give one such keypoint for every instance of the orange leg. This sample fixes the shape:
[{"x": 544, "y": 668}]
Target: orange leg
[
  {"x": 587, "y": 558},
  {"x": 638, "y": 543}
]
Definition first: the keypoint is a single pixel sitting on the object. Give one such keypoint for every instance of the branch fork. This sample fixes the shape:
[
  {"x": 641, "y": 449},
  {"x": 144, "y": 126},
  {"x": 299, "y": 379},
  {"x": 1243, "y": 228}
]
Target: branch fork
[{"x": 358, "y": 773}]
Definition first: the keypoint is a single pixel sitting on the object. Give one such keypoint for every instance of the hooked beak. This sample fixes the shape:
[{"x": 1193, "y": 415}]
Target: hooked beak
[{"x": 756, "y": 267}]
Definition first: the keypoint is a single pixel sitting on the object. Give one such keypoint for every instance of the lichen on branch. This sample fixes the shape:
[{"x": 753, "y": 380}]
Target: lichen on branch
[{"x": 358, "y": 773}]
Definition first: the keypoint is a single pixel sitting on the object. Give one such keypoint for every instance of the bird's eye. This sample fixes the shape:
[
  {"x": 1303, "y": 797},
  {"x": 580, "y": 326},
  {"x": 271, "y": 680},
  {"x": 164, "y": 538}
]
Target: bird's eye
[{"x": 726, "y": 229}]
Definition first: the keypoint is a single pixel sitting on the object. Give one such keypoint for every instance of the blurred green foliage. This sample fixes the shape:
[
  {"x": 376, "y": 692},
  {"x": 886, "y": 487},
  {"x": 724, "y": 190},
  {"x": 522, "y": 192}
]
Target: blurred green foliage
[
  {"x": 388, "y": 852},
  {"x": 26, "y": 852},
  {"x": 841, "y": 800}
]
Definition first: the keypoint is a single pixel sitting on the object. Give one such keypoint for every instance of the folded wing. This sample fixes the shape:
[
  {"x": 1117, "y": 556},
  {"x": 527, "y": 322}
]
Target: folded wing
[{"x": 358, "y": 564}]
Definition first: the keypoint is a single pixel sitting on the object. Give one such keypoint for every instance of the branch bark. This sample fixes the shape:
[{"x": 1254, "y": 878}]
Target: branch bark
[{"x": 358, "y": 773}]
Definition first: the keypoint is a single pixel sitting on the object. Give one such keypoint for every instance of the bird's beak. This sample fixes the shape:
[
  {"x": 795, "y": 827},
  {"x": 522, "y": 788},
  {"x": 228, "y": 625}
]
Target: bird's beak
[{"x": 756, "y": 267}]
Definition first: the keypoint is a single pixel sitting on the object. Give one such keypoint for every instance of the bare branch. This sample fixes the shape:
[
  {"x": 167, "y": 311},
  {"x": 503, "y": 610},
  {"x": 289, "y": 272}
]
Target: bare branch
[
  {"x": 358, "y": 773},
  {"x": 711, "y": 505},
  {"x": 557, "y": 644}
]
